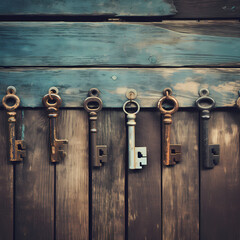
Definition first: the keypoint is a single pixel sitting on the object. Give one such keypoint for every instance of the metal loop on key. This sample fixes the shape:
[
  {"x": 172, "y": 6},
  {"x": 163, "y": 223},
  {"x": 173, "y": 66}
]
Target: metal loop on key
[
  {"x": 11, "y": 94},
  {"x": 52, "y": 100},
  {"x": 204, "y": 102},
  {"x": 168, "y": 92},
  {"x": 130, "y": 102}
]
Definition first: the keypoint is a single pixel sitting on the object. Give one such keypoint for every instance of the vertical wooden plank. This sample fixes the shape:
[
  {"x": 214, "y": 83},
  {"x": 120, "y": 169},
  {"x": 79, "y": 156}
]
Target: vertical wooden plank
[
  {"x": 180, "y": 183},
  {"x": 34, "y": 204},
  {"x": 6, "y": 182},
  {"x": 144, "y": 186},
  {"x": 72, "y": 177},
  {"x": 108, "y": 182},
  {"x": 220, "y": 187}
]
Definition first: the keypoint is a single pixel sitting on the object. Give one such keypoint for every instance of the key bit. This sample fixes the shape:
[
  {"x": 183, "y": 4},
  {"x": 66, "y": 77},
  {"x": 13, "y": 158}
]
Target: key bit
[
  {"x": 102, "y": 153},
  {"x": 141, "y": 157},
  {"x": 53, "y": 101},
  {"x": 175, "y": 153},
  {"x": 17, "y": 148},
  {"x": 20, "y": 150}
]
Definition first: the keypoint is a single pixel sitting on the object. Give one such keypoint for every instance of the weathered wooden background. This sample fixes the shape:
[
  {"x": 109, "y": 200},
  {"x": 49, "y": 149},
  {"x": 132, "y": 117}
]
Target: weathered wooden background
[{"x": 115, "y": 45}]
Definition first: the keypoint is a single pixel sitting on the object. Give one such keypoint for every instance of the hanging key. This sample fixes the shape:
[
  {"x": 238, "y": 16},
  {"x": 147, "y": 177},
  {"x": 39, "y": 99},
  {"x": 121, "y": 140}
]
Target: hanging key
[
  {"x": 17, "y": 148},
  {"x": 53, "y": 101},
  {"x": 93, "y": 104},
  {"x": 209, "y": 154},
  {"x": 137, "y": 156},
  {"x": 168, "y": 105}
]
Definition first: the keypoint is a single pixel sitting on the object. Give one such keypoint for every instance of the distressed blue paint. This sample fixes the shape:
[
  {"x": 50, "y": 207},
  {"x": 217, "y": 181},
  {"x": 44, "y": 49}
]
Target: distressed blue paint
[
  {"x": 90, "y": 7},
  {"x": 111, "y": 44},
  {"x": 33, "y": 84}
]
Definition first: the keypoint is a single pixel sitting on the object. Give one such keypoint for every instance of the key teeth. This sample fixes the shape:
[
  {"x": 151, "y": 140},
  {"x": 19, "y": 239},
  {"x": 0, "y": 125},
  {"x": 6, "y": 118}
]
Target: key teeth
[
  {"x": 214, "y": 156},
  {"x": 102, "y": 158},
  {"x": 20, "y": 149},
  {"x": 141, "y": 158},
  {"x": 175, "y": 154}
]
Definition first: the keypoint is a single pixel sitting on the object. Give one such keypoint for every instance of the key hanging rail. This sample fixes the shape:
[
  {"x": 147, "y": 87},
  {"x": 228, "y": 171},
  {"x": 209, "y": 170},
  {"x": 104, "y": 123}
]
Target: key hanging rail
[
  {"x": 209, "y": 154},
  {"x": 137, "y": 156},
  {"x": 171, "y": 152},
  {"x": 93, "y": 104},
  {"x": 17, "y": 148},
  {"x": 53, "y": 101}
]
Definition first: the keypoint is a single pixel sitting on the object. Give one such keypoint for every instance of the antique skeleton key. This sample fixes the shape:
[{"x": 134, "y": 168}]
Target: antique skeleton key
[
  {"x": 171, "y": 153},
  {"x": 137, "y": 156},
  {"x": 53, "y": 101},
  {"x": 209, "y": 154},
  {"x": 93, "y": 104},
  {"x": 17, "y": 148}
]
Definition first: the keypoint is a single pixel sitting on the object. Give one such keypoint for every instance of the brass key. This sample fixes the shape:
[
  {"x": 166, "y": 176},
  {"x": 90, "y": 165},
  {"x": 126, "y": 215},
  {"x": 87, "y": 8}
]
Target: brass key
[
  {"x": 17, "y": 148},
  {"x": 93, "y": 104},
  {"x": 171, "y": 153},
  {"x": 53, "y": 101}
]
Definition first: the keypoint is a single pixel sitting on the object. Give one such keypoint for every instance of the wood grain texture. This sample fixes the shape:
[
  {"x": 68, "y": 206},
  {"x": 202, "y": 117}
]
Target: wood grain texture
[
  {"x": 72, "y": 177},
  {"x": 34, "y": 204},
  {"x": 220, "y": 187},
  {"x": 119, "y": 44},
  {"x": 180, "y": 183},
  {"x": 6, "y": 182},
  {"x": 144, "y": 186},
  {"x": 108, "y": 182},
  {"x": 207, "y": 9},
  {"x": 91, "y": 7},
  {"x": 74, "y": 83}
]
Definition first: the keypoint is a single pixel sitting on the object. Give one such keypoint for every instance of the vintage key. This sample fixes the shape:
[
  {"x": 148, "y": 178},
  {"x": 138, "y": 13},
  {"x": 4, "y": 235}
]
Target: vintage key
[
  {"x": 93, "y": 104},
  {"x": 137, "y": 156},
  {"x": 53, "y": 101},
  {"x": 171, "y": 152},
  {"x": 209, "y": 154},
  {"x": 17, "y": 148}
]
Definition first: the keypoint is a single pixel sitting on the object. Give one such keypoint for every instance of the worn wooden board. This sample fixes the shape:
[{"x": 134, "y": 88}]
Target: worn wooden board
[
  {"x": 207, "y": 9},
  {"x": 72, "y": 177},
  {"x": 220, "y": 187},
  {"x": 108, "y": 181},
  {"x": 92, "y": 7},
  {"x": 207, "y": 43},
  {"x": 34, "y": 187},
  {"x": 180, "y": 183},
  {"x": 6, "y": 182},
  {"x": 74, "y": 83},
  {"x": 144, "y": 186}
]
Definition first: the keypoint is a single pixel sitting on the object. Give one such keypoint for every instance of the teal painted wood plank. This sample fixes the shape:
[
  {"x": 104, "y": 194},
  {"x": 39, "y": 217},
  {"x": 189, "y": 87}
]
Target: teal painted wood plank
[
  {"x": 178, "y": 43},
  {"x": 73, "y": 83},
  {"x": 90, "y": 7}
]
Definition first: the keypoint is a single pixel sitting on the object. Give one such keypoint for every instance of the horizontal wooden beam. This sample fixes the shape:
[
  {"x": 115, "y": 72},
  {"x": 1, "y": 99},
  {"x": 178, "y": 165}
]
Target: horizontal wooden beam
[
  {"x": 73, "y": 83},
  {"x": 90, "y": 7},
  {"x": 193, "y": 9},
  {"x": 171, "y": 43}
]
